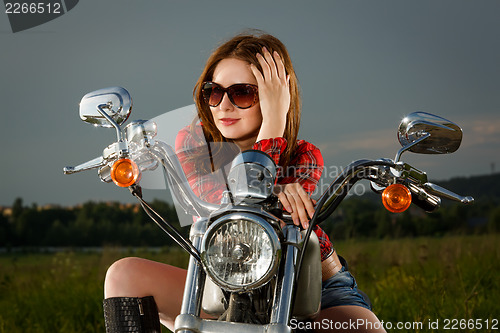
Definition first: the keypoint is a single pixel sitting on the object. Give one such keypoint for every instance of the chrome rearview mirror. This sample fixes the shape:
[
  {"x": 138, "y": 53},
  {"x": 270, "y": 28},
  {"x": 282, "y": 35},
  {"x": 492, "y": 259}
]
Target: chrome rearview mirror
[
  {"x": 106, "y": 107},
  {"x": 425, "y": 133}
]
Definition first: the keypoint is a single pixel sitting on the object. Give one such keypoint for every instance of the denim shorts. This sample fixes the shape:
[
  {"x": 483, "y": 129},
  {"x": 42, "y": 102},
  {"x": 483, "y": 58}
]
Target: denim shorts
[{"x": 341, "y": 289}]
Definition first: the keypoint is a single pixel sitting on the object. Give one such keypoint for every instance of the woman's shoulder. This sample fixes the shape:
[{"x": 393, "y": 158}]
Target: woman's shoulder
[
  {"x": 305, "y": 151},
  {"x": 304, "y": 146}
]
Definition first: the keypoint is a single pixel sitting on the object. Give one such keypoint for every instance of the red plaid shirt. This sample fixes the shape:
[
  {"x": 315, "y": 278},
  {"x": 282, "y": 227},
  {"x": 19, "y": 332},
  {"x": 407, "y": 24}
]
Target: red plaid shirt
[{"x": 306, "y": 166}]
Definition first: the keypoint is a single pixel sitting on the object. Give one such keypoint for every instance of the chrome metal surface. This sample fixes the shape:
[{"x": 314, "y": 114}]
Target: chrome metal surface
[
  {"x": 92, "y": 164},
  {"x": 307, "y": 301},
  {"x": 112, "y": 102},
  {"x": 141, "y": 132},
  {"x": 252, "y": 176},
  {"x": 103, "y": 110},
  {"x": 431, "y": 202},
  {"x": 254, "y": 209},
  {"x": 214, "y": 301},
  {"x": 444, "y": 136},
  {"x": 105, "y": 174},
  {"x": 409, "y": 146},
  {"x": 256, "y": 157},
  {"x": 195, "y": 278},
  {"x": 441, "y": 191},
  {"x": 116, "y": 150},
  {"x": 190, "y": 202},
  {"x": 198, "y": 228},
  {"x": 189, "y": 323},
  {"x": 282, "y": 303}
]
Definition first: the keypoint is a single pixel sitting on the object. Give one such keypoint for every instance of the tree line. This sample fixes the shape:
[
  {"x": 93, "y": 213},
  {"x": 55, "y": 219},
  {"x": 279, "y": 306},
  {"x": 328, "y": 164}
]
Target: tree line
[
  {"x": 115, "y": 224},
  {"x": 366, "y": 217},
  {"x": 90, "y": 224}
]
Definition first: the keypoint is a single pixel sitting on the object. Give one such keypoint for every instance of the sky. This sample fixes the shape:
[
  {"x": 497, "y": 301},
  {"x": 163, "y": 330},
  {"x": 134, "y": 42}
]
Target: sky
[{"x": 362, "y": 66}]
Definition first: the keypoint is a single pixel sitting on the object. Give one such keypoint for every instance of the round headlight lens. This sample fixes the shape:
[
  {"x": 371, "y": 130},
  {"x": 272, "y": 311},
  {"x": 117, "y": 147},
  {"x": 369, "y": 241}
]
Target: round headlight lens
[{"x": 240, "y": 253}]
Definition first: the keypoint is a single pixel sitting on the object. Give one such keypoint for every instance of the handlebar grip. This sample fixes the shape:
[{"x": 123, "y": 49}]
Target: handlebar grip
[
  {"x": 430, "y": 204},
  {"x": 421, "y": 198}
]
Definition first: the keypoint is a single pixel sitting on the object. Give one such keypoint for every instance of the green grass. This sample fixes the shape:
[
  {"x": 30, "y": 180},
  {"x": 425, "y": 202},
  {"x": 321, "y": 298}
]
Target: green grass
[
  {"x": 429, "y": 279},
  {"x": 60, "y": 292},
  {"x": 408, "y": 280}
]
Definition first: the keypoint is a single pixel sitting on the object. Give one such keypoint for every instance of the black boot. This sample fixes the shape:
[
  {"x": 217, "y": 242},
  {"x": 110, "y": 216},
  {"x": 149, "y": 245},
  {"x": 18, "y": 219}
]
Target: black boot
[{"x": 131, "y": 314}]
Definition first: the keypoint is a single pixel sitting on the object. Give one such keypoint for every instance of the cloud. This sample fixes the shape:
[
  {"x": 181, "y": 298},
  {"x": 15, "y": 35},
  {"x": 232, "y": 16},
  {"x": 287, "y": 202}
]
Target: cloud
[
  {"x": 481, "y": 132},
  {"x": 375, "y": 142},
  {"x": 383, "y": 142}
]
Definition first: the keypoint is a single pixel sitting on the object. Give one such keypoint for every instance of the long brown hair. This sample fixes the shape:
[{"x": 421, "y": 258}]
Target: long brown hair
[{"x": 245, "y": 46}]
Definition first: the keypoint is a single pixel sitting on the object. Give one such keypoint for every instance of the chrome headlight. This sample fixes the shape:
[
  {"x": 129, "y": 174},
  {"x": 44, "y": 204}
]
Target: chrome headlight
[{"x": 240, "y": 251}]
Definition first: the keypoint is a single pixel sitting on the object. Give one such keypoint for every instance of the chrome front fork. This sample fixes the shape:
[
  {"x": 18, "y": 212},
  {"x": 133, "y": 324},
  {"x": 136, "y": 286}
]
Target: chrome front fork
[
  {"x": 283, "y": 295},
  {"x": 189, "y": 320},
  {"x": 195, "y": 278}
]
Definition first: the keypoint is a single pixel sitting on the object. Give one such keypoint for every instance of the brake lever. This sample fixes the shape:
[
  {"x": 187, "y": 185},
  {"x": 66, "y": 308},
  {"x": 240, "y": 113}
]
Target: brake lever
[
  {"x": 92, "y": 164},
  {"x": 441, "y": 191}
]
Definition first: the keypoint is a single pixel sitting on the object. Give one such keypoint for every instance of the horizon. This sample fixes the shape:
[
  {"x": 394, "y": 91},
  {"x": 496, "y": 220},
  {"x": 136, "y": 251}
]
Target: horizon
[{"x": 134, "y": 203}]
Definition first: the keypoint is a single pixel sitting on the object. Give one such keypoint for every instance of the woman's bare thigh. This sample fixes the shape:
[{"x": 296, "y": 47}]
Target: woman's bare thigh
[{"x": 137, "y": 277}]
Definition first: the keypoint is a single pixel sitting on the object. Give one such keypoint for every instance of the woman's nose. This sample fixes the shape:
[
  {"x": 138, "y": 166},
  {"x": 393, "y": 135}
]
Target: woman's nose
[{"x": 226, "y": 104}]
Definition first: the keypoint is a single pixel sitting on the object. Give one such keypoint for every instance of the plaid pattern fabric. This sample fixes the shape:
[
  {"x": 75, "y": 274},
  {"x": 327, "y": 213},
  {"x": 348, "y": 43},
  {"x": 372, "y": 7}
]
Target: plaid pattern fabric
[{"x": 306, "y": 166}]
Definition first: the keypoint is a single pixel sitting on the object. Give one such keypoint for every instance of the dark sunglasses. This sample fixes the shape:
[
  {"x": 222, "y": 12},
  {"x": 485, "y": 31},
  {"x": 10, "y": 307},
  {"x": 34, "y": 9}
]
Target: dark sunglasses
[{"x": 241, "y": 95}]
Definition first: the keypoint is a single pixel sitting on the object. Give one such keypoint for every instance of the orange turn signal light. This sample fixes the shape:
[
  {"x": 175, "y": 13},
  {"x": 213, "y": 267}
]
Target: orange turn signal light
[
  {"x": 396, "y": 198},
  {"x": 124, "y": 172}
]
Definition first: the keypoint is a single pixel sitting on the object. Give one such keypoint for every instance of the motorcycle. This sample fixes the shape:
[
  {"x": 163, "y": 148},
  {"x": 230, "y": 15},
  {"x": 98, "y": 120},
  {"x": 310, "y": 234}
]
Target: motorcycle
[{"x": 263, "y": 271}]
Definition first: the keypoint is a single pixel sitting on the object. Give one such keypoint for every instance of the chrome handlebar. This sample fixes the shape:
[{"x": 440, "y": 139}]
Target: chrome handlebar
[
  {"x": 385, "y": 172},
  {"x": 382, "y": 172},
  {"x": 162, "y": 153}
]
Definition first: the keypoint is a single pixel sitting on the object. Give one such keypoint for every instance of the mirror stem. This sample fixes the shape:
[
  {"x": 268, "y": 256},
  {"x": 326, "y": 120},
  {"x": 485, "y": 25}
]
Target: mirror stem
[
  {"x": 110, "y": 120},
  {"x": 403, "y": 149}
]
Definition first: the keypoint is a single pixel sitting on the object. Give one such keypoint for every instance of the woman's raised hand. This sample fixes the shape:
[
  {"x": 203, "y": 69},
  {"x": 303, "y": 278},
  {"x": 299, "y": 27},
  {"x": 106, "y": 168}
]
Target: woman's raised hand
[{"x": 274, "y": 94}]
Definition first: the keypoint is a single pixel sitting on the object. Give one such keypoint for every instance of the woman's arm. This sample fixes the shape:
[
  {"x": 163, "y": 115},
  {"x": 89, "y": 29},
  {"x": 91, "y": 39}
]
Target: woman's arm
[{"x": 298, "y": 181}]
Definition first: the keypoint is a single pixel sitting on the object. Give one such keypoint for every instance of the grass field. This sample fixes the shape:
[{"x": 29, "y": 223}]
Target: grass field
[{"x": 414, "y": 283}]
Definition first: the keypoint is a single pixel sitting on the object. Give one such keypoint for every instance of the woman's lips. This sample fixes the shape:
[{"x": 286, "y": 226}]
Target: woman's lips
[{"x": 228, "y": 121}]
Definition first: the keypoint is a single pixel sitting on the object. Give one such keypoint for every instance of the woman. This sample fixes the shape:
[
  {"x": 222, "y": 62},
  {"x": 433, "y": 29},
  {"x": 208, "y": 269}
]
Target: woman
[{"x": 248, "y": 95}]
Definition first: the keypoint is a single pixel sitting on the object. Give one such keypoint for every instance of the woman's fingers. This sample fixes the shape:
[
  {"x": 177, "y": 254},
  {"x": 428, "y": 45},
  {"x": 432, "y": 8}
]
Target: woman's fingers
[
  {"x": 272, "y": 65},
  {"x": 266, "y": 68},
  {"x": 284, "y": 201},
  {"x": 308, "y": 204},
  {"x": 257, "y": 74},
  {"x": 302, "y": 202},
  {"x": 280, "y": 66},
  {"x": 288, "y": 204},
  {"x": 300, "y": 210},
  {"x": 297, "y": 202}
]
